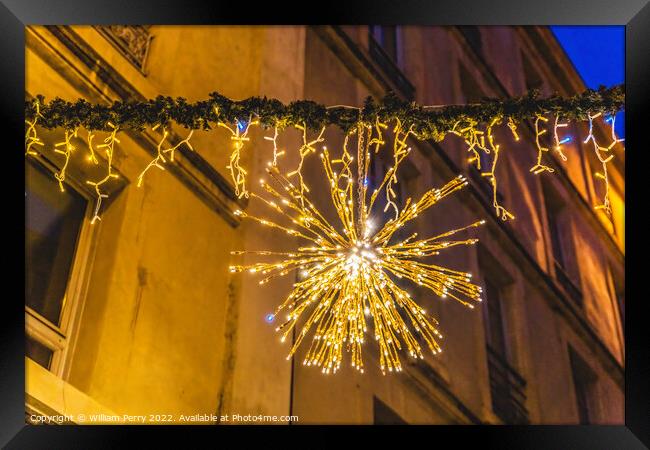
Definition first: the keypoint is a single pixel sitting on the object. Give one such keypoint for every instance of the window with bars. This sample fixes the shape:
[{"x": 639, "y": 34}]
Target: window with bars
[{"x": 507, "y": 385}]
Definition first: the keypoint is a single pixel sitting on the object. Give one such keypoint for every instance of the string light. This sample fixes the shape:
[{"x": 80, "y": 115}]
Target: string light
[
  {"x": 500, "y": 210},
  {"x": 239, "y": 135},
  {"x": 31, "y": 135},
  {"x": 476, "y": 142},
  {"x": 108, "y": 145},
  {"x": 276, "y": 152},
  {"x": 68, "y": 148},
  {"x": 558, "y": 142},
  {"x": 350, "y": 270},
  {"x": 159, "y": 160},
  {"x": 303, "y": 151},
  {"x": 600, "y": 151},
  {"x": 539, "y": 167},
  {"x": 422, "y": 122}
]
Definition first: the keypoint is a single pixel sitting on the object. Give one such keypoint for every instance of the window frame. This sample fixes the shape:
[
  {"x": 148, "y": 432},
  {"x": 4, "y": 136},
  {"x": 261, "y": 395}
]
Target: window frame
[
  {"x": 61, "y": 339},
  {"x": 560, "y": 229},
  {"x": 584, "y": 381}
]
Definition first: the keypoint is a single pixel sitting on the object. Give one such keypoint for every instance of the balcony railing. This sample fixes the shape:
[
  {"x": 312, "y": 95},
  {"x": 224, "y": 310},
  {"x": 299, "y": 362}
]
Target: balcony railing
[
  {"x": 567, "y": 284},
  {"x": 507, "y": 390}
]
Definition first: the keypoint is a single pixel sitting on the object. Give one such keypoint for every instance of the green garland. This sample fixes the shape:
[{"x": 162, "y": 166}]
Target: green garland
[{"x": 427, "y": 122}]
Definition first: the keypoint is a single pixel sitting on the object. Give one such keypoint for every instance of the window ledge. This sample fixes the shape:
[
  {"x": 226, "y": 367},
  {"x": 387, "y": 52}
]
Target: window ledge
[{"x": 48, "y": 395}]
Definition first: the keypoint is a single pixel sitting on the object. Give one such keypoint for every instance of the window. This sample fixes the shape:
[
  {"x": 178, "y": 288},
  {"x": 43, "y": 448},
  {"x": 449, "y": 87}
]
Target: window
[
  {"x": 384, "y": 45},
  {"x": 386, "y": 37},
  {"x": 384, "y": 415},
  {"x": 507, "y": 386},
  {"x": 469, "y": 87},
  {"x": 532, "y": 78},
  {"x": 562, "y": 253},
  {"x": 472, "y": 34},
  {"x": 584, "y": 381},
  {"x": 617, "y": 202},
  {"x": 619, "y": 295},
  {"x": 54, "y": 220},
  {"x": 496, "y": 335}
]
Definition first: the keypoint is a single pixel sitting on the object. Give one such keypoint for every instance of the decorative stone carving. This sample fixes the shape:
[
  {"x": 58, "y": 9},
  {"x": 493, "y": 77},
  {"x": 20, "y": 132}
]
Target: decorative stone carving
[{"x": 132, "y": 41}]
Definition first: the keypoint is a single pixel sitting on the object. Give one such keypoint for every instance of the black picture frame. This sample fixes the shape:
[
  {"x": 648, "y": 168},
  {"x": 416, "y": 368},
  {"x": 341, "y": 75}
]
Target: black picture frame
[{"x": 634, "y": 14}]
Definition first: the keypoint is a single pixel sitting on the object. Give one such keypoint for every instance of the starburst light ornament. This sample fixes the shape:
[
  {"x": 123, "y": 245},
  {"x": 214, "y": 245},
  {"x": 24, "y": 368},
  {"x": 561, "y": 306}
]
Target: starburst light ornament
[{"x": 349, "y": 289}]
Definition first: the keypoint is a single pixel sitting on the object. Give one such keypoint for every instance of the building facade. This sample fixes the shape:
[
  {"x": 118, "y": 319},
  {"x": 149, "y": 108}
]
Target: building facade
[{"x": 137, "y": 314}]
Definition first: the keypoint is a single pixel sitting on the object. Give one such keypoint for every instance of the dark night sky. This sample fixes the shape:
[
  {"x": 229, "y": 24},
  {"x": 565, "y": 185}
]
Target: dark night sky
[{"x": 598, "y": 54}]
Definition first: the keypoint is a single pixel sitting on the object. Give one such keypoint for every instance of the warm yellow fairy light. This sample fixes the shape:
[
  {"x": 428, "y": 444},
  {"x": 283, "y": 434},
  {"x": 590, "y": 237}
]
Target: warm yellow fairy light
[
  {"x": 599, "y": 150},
  {"x": 303, "y": 152},
  {"x": 483, "y": 141},
  {"x": 68, "y": 148},
  {"x": 539, "y": 167},
  {"x": 513, "y": 128},
  {"x": 473, "y": 138},
  {"x": 400, "y": 151},
  {"x": 349, "y": 271},
  {"x": 109, "y": 146},
  {"x": 31, "y": 136},
  {"x": 159, "y": 159},
  {"x": 276, "y": 153},
  {"x": 239, "y": 135},
  {"x": 494, "y": 148}
]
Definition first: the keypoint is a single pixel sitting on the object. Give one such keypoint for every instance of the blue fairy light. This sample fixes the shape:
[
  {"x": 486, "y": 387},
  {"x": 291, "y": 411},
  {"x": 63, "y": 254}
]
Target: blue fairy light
[
  {"x": 566, "y": 139},
  {"x": 269, "y": 318}
]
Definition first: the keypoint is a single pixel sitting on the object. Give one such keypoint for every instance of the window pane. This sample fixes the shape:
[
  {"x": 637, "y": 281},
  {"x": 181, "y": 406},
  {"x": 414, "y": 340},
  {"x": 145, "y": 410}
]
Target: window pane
[
  {"x": 496, "y": 332},
  {"x": 583, "y": 381},
  {"x": 38, "y": 352},
  {"x": 52, "y": 223}
]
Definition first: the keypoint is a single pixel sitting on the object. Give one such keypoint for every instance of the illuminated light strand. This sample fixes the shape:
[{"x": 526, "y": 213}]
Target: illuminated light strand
[
  {"x": 92, "y": 157},
  {"x": 109, "y": 146},
  {"x": 473, "y": 138},
  {"x": 31, "y": 135},
  {"x": 556, "y": 138},
  {"x": 539, "y": 167},
  {"x": 68, "y": 148},
  {"x": 303, "y": 152},
  {"x": 429, "y": 124},
  {"x": 159, "y": 159},
  {"x": 400, "y": 151},
  {"x": 239, "y": 134},
  {"x": 478, "y": 140},
  {"x": 599, "y": 150},
  {"x": 499, "y": 209},
  {"x": 513, "y": 128},
  {"x": 348, "y": 275},
  {"x": 274, "y": 139}
]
